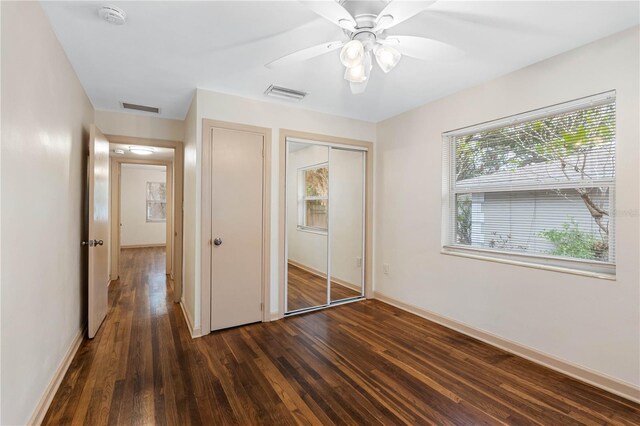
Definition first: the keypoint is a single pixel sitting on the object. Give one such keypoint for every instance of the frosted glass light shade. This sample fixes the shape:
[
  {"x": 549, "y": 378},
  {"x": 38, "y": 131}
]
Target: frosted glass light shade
[
  {"x": 352, "y": 54},
  {"x": 359, "y": 73},
  {"x": 387, "y": 58},
  {"x": 355, "y": 74}
]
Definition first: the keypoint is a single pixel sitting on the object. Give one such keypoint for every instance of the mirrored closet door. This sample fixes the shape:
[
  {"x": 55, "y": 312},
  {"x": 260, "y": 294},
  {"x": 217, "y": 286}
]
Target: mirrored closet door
[{"x": 325, "y": 187}]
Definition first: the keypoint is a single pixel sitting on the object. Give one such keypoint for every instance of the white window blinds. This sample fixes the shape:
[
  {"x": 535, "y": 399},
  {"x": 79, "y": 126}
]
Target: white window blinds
[{"x": 539, "y": 184}]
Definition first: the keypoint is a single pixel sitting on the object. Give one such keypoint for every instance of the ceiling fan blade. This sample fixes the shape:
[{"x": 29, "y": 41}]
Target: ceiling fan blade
[
  {"x": 304, "y": 54},
  {"x": 400, "y": 11},
  {"x": 423, "y": 48},
  {"x": 495, "y": 22},
  {"x": 332, "y": 11}
]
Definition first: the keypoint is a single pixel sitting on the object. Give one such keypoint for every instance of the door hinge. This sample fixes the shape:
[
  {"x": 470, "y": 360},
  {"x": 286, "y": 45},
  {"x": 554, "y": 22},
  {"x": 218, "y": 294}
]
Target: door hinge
[{"x": 261, "y": 306}]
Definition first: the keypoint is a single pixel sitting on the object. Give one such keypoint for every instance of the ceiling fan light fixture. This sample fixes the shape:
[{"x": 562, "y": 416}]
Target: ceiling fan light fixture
[
  {"x": 355, "y": 74},
  {"x": 352, "y": 54},
  {"x": 387, "y": 58},
  {"x": 359, "y": 73}
]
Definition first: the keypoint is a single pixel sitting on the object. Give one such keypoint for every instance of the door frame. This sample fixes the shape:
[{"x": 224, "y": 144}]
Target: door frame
[
  {"x": 282, "y": 224},
  {"x": 174, "y": 226},
  {"x": 116, "y": 197},
  {"x": 206, "y": 210}
]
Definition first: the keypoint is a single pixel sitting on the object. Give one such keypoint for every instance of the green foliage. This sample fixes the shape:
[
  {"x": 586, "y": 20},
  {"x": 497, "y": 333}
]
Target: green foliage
[
  {"x": 538, "y": 141},
  {"x": 463, "y": 219},
  {"x": 570, "y": 241}
]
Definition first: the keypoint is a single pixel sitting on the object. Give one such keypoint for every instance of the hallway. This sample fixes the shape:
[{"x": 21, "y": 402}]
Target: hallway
[
  {"x": 113, "y": 377},
  {"x": 361, "y": 363}
]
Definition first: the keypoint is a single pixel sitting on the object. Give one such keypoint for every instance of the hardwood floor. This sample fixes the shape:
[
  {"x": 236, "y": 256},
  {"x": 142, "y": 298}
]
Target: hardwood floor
[
  {"x": 360, "y": 363},
  {"x": 307, "y": 290}
]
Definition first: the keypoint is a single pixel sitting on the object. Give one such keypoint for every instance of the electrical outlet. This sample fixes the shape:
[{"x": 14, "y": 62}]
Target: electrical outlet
[{"x": 385, "y": 268}]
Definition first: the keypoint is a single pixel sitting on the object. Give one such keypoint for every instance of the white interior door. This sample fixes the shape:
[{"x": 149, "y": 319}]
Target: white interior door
[
  {"x": 237, "y": 227},
  {"x": 98, "y": 221}
]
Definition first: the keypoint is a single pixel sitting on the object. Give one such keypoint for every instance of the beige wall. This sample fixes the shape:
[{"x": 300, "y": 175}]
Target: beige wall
[
  {"x": 235, "y": 109},
  {"x": 189, "y": 228},
  {"x": 590, "y": 322},
  {"x": 140, "y": 126},
  {"x": 45, "y": 125}
]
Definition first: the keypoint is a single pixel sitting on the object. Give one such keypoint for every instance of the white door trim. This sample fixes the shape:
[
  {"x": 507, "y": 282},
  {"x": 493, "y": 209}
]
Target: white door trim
[{"x": 205, "y": 235}]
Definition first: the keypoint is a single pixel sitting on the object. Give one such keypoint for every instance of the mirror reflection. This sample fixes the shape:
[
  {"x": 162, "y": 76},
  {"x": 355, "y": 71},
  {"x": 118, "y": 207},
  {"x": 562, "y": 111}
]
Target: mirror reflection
[
  {"x": 307, "y": 185},
  {"x": 347, "y": 223},
  {"x": 325, "y": 187}
]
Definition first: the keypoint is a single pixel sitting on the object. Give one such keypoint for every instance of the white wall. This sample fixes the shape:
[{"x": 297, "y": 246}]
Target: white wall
[
  {"x": 45, "y": 124},
  {"x": 189, "y": 216},
  {"x": 140, "y": 126},
  {"x": 590, "y": 322},
  {"x": 235, "y": 109},
  {"x": 135, "y": 230}
]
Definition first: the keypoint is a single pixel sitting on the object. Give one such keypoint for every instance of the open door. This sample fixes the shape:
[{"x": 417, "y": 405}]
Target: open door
[{"x": 98, "y": 226}]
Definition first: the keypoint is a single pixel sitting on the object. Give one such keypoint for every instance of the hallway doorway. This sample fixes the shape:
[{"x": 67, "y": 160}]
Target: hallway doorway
[{"x": 146, "y": 203}]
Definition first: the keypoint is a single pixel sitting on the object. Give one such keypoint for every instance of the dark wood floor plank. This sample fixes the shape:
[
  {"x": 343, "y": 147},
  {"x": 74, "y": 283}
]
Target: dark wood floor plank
[
  {"x": 306, "y": 289},
  {"x": 359, "y": 363}
]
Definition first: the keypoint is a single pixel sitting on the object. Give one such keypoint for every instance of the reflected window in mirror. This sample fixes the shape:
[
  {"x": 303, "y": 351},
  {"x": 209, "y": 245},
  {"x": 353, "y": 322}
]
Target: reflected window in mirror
[{"x": 313, "y": 188}]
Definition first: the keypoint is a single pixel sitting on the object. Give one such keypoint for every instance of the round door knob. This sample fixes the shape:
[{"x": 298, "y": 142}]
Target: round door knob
[
  {"x": 98, "y": 242},
  {"x": 217, "y": 242}
]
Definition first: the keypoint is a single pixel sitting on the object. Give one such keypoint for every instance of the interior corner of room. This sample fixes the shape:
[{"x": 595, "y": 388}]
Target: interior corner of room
[{"x": 365, "y": 226}]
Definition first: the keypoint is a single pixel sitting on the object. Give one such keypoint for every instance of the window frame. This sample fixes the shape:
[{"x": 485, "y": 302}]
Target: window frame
[
  {"x": 147, "y": 201},
  {"x": 592, "y": 268},
  {"x": 303, "y": 198}
]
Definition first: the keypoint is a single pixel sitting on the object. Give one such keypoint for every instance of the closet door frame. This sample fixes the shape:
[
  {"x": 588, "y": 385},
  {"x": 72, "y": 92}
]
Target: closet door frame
[{"x": 345, "y": 143}]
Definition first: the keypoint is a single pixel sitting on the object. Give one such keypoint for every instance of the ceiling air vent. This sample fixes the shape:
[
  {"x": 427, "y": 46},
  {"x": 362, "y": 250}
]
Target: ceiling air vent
[
  {"x": 154, "y": 110},
  {"x": 284, "y": 93}
]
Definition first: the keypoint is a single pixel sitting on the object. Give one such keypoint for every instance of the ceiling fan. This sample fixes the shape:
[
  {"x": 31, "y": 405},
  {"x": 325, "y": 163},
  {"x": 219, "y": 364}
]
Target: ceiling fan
[{"x": 367, "y": 39}]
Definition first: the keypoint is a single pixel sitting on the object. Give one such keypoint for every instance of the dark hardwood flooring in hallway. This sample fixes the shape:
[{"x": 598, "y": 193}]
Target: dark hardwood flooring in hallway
[{"x": 360, "y": 363}]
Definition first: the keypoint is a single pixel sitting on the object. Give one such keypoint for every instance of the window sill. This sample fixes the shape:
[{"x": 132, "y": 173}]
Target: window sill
[
  {"x": 312, "y": 230},
  {"x": 567, "y": 266}
]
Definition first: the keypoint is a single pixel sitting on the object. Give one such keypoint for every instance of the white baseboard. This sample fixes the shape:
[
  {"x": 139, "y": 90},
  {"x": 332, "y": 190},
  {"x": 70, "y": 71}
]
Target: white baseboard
[
  {"x": 602, "y": 381},
  {"x": 275, "y": 316},
  {"x": 195, "y": 332},
  {"x": 45, "y": 401}
]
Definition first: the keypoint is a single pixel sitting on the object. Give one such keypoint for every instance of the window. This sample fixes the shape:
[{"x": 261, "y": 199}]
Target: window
[
  {"x": 313, "y": 188},
  {"x": 536, "y": 188},
  {"x": 156, "y": 202}
]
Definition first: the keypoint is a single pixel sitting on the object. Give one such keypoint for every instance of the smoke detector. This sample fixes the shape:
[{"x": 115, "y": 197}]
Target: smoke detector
[{"x": 113, "y": 15}]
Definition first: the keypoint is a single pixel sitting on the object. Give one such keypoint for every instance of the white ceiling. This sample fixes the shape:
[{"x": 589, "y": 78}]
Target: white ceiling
[
  {"x": 167, "y": 49},
  {"x": 160, "y": 153}
]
